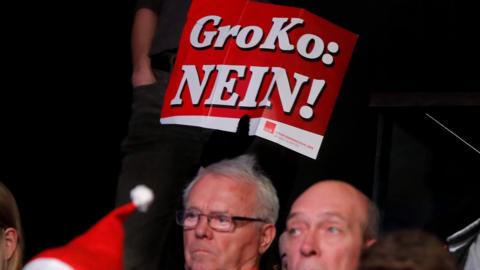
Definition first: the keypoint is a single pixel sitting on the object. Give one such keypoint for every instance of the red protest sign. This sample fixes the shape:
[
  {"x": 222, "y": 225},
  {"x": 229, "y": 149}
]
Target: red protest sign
[{"x": 282, "y": 66}]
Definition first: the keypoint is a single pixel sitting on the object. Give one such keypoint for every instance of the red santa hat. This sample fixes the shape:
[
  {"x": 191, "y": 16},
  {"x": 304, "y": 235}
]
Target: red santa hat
[{"x": 101, "y": 247}]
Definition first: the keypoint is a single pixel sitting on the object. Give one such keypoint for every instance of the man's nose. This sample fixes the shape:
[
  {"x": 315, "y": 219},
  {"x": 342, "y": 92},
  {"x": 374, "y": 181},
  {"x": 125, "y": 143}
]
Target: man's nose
[
  {"x": 309, "y": 245},
  {"x": 203, "y": 230}
]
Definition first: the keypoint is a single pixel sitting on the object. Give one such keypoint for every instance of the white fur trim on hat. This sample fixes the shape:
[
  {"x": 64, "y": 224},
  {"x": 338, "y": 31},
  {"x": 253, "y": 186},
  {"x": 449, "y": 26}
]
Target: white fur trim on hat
[
  {"x": 142, "y": 197},
  {"x": 47, "y": 264}
]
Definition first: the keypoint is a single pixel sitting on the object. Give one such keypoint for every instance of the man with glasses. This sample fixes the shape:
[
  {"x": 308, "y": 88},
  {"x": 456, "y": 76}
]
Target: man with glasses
[{"x": 230, "y": 209}]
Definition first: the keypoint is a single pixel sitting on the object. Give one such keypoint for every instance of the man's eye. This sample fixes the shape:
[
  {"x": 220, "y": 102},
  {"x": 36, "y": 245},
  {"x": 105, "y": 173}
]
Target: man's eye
[
  {"x": 190, "y": 215},
  {"x": 294, "y": 231},
  {"x": 333, "y": 230},
  {"x": 222, "y": 219}
]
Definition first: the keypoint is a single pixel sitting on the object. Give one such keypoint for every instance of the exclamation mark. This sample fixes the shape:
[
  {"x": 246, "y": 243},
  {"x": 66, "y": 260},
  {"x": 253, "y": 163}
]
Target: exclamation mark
[{"x": 306, "y": 111}]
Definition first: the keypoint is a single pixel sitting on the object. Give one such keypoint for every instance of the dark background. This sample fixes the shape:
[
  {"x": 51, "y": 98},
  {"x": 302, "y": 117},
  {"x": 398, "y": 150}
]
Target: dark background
[{"x": 66, "y": 101}]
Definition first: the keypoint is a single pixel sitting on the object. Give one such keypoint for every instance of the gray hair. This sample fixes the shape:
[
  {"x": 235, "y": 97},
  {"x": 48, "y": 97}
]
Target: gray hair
[{"x": 244, "y": 168}]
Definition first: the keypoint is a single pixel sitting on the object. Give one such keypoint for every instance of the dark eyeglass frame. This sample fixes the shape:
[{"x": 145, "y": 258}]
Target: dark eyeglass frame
[{"x": 180, "y": 218}]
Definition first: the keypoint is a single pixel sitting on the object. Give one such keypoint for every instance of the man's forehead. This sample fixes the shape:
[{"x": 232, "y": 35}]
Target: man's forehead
[
  {"x": 343, "y": 208},
  {"x": 317, "y": 216},
  {"x": 220, "y": 193},
  {"x": 329, "y": 194}
]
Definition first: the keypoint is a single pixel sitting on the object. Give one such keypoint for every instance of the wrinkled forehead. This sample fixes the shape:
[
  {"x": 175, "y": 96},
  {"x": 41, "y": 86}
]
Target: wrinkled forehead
[{"x": 335, "y": 202}]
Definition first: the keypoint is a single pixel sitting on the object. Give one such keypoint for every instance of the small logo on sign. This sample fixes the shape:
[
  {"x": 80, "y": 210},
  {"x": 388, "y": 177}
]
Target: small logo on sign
[{"x": 269, "y": 127}]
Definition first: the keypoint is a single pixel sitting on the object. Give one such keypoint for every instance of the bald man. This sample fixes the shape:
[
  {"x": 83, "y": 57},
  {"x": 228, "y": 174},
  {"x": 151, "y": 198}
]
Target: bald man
[{"x": 328, "y": 227}]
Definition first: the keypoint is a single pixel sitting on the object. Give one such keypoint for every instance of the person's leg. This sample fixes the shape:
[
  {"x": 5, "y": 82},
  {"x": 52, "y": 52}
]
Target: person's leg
[
  {"x": 163, "y": 157},
  {"x": 166, "y": 171}
]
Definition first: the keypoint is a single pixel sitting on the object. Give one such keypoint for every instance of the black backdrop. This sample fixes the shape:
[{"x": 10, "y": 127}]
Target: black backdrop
[{"x": 66, "y": 97}]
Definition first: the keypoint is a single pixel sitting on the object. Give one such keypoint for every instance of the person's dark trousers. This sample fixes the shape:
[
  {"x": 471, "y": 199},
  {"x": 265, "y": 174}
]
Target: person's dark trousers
[{"x": 165, "y": 158}]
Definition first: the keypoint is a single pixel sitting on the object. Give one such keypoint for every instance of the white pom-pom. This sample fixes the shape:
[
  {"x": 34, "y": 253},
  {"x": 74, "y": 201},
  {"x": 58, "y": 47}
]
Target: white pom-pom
[
  {"x": 142, "y": 197},
  {"x": 47, "y": 263}
]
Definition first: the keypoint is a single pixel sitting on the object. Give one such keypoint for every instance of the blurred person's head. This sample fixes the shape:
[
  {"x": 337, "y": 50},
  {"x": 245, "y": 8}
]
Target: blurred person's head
[
  {"x": 282, "y": 250},
  {"x": 11, "y": 242},
  {"x": 230, "y": 209},
  {"x": 408, "y": 250},
  {"x": 328, "y": 227}
]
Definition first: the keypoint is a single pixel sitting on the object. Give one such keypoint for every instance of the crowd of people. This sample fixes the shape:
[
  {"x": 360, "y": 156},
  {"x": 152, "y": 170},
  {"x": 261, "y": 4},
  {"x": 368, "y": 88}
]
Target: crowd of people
[{"x": 228, "y": 218}]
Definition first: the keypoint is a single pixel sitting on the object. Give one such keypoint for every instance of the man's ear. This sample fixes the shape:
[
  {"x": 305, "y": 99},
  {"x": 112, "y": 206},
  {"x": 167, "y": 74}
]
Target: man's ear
[
  {"x": 369, "y": 243},
  {"x": 266, "y": 238},
  {"x": 10, "y": 242}
]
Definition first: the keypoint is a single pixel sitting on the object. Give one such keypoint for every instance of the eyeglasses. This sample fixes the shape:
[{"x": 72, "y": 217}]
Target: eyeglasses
[{"x": 217, "y": 221}]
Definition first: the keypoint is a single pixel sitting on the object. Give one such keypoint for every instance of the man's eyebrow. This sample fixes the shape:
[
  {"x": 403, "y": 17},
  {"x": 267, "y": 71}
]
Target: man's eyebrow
[
  {"x": 326, "y": 215},
  {"x": 219, "y": 213}
]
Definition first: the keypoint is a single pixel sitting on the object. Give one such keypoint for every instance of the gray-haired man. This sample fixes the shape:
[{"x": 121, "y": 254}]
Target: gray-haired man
[{"x": 230, "y": 209}]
